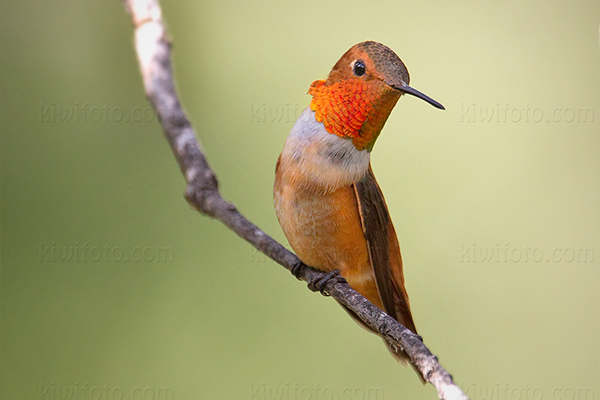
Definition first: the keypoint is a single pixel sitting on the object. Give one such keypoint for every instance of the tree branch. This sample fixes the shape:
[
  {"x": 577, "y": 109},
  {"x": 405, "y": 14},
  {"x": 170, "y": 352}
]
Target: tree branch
[{"x": 153, "y": 51}]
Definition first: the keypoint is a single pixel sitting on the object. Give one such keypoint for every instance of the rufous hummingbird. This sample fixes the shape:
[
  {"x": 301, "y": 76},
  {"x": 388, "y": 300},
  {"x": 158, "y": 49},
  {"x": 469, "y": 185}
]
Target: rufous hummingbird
[{"x": 327, "y": 200}]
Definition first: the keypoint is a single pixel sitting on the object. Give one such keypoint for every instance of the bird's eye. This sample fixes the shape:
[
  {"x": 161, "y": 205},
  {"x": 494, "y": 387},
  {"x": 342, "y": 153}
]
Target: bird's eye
[{"x": 359, "y": 68}]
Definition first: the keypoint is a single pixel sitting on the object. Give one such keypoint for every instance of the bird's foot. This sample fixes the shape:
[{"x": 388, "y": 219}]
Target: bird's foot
[
  {"x": 296, "y": 268},
  {"x": 319, "y": 284}
]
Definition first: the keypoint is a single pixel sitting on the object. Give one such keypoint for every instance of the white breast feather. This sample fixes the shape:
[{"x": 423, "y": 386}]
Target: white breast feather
[{"x": 324, "y": 158}]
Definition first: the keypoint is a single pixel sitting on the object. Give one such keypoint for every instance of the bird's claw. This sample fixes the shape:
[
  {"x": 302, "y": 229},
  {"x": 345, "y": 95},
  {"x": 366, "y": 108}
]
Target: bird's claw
[
  {"x": 319, "y": 284},
  {"x": 296, "y": 268}
]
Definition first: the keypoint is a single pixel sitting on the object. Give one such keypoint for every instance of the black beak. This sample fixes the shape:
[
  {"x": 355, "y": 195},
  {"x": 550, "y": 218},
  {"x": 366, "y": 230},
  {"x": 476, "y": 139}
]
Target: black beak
[{"x": 408, "y": 90}]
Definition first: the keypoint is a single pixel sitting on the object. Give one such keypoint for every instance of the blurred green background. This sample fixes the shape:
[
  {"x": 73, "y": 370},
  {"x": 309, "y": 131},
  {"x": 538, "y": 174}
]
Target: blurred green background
[{"x": 112, "y": 287}]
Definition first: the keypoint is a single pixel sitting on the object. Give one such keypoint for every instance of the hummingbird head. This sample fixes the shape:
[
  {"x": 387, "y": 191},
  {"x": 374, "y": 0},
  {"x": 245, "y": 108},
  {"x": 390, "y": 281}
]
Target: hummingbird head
[{"x": 360, "y": 92}]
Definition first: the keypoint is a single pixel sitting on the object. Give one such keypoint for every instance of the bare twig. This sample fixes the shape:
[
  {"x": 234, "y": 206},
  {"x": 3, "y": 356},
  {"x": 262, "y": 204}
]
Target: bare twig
[{"x": 153, "y": 51}]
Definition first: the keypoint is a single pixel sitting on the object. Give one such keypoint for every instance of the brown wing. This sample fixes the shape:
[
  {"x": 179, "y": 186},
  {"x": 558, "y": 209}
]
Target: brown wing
[{"x": 384, "y": 250}]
